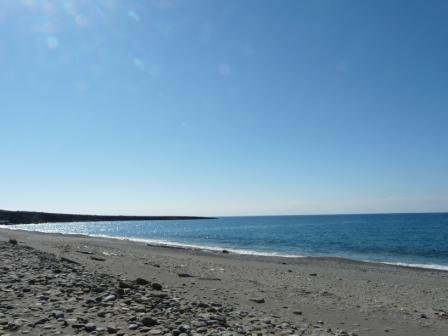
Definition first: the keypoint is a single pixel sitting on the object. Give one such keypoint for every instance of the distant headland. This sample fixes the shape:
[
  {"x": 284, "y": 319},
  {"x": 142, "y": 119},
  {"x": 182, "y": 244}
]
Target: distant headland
[{"x": 27, "y": 217}]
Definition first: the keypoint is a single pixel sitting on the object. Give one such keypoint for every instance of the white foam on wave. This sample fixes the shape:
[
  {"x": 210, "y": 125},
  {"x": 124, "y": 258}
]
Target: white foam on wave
[
  {"x": 428, "y": 266},
  {"x": 156, "y": 242},
  {"x": 166, "y": 243}
]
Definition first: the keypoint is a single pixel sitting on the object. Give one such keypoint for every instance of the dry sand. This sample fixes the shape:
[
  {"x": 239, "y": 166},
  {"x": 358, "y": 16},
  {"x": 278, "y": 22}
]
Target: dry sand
[{"x": 319, "y": 296}]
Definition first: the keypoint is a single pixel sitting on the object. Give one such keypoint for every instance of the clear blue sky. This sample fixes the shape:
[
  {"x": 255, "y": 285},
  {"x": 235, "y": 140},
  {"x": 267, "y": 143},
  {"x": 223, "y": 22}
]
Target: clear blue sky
[{"x": 224, "y": 107}]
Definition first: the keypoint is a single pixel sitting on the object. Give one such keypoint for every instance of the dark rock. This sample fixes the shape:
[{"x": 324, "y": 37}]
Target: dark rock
[
  {"x": 81, "y": 320},
  {"x": 185, "y": 275},
  {"x": 148, "y": 321},
  {"x": 257, "y": 300},
  {"x": 57, "y": 314},
  {"x": 89, "y": 327},
  {"x": 78, "y": 325},
  {"x": 225, "y": 251},
  {"x": 185, "y": 328},
  {"x": 141, "y": 282},
  {"x": 67, "y": 260},
  {"x": 97, "y": 289},
  {"x": 101, "y": 314},
  {"x": 156, "y": 286},
  {"x": 111, "y": 329},
  {"x": 125, "y": 284},
  {"x": 41, "y": 321},
  {"x": 14, "y": 325}
]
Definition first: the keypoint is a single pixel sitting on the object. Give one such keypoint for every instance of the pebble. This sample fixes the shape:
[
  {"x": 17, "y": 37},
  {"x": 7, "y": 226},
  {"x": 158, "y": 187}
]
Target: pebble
[
  {"x": 257, "y": 300},
  {"x": 148, "y": 321},
  {"x": 57, "y": 314},
  {"x": 184, "y": 275},
  {"x": 64, "y": 298},
  {"x": 89, "y": 327},
  {"x": 110, "y": 298},
  {"x": 156, "y": 286},
  {"x": 111, "y": 328},
  {"x": 141, "y": 281}
]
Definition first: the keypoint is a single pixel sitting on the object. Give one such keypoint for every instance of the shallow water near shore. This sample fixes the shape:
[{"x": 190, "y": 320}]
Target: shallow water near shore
[{"x": 419, "y": 240}]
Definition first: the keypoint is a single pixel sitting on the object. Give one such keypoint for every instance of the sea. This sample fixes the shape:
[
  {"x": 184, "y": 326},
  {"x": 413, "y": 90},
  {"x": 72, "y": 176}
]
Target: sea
[{"x": 417, "y": 240}]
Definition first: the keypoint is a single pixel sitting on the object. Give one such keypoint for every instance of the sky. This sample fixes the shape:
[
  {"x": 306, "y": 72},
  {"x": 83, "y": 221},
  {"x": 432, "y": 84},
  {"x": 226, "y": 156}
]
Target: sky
[{"x": 224, "y": 107}]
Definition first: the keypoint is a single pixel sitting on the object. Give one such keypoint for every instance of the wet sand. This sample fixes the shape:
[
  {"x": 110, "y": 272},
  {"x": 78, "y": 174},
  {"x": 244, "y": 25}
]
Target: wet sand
[{"x": 318, "y": 296}]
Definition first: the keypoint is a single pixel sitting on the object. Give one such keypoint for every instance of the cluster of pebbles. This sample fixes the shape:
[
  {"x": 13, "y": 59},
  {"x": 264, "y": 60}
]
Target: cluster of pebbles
[{"x": 41, "y": 294}]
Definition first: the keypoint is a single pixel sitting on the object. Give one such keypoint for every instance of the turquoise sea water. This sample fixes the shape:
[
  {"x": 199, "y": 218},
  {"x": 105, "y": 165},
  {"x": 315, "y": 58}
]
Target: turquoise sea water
[{"x": 407, "y": 239}]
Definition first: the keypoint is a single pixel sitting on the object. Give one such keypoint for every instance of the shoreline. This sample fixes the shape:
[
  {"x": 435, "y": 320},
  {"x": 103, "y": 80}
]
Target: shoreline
[
  {"x": 234, "y": 251},
  {"x": 364, "y": 299}
]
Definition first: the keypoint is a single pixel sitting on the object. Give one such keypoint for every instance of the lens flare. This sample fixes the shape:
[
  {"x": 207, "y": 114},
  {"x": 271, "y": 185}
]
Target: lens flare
[
  {"x": 52, "y": 42},
  {"x": 134, "y": 16}
]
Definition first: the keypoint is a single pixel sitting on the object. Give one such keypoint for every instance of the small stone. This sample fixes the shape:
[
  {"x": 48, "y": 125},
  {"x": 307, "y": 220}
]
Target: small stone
[
  {"x": 257, "y": 300},
  {"x": 156, "y": 286},
  {"x": 110, "y": 297},
  {"x": 14, "y": 325},
  {"x": 40, "y": 321},
  {"x": 125, "y": 284},
  {"x": 148, "y": 321},
  {"x": 141, "y": 281},
  {"x": 185, "y": 328},
  {"x": 184, "y": 275},
  {"x": 77, "y": 325},
  {"x": 111, "y": 329},
  {"x": 57, "y": 314},
  {"x": 89, "y": 327}
]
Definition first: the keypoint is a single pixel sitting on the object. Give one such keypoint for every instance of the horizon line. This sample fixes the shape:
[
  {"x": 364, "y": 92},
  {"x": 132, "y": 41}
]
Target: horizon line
[{"x": 250, "y": 215}]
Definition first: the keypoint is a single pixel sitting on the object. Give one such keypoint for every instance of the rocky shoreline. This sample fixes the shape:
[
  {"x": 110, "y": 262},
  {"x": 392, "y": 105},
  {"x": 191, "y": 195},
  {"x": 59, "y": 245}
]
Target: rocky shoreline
[{"x": 41, "y": 294}]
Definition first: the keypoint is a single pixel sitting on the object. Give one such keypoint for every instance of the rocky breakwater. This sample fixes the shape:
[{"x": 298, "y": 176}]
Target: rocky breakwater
[{"x": 41, "y": 294}]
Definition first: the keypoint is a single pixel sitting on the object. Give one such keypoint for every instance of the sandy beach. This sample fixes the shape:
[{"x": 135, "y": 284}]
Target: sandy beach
[{"x": 60, "y": 284}]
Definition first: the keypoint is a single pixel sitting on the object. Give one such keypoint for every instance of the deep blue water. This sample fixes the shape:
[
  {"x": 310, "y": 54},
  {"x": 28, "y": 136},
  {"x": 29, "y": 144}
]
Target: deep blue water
[{"x": 412, "y": 239}]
